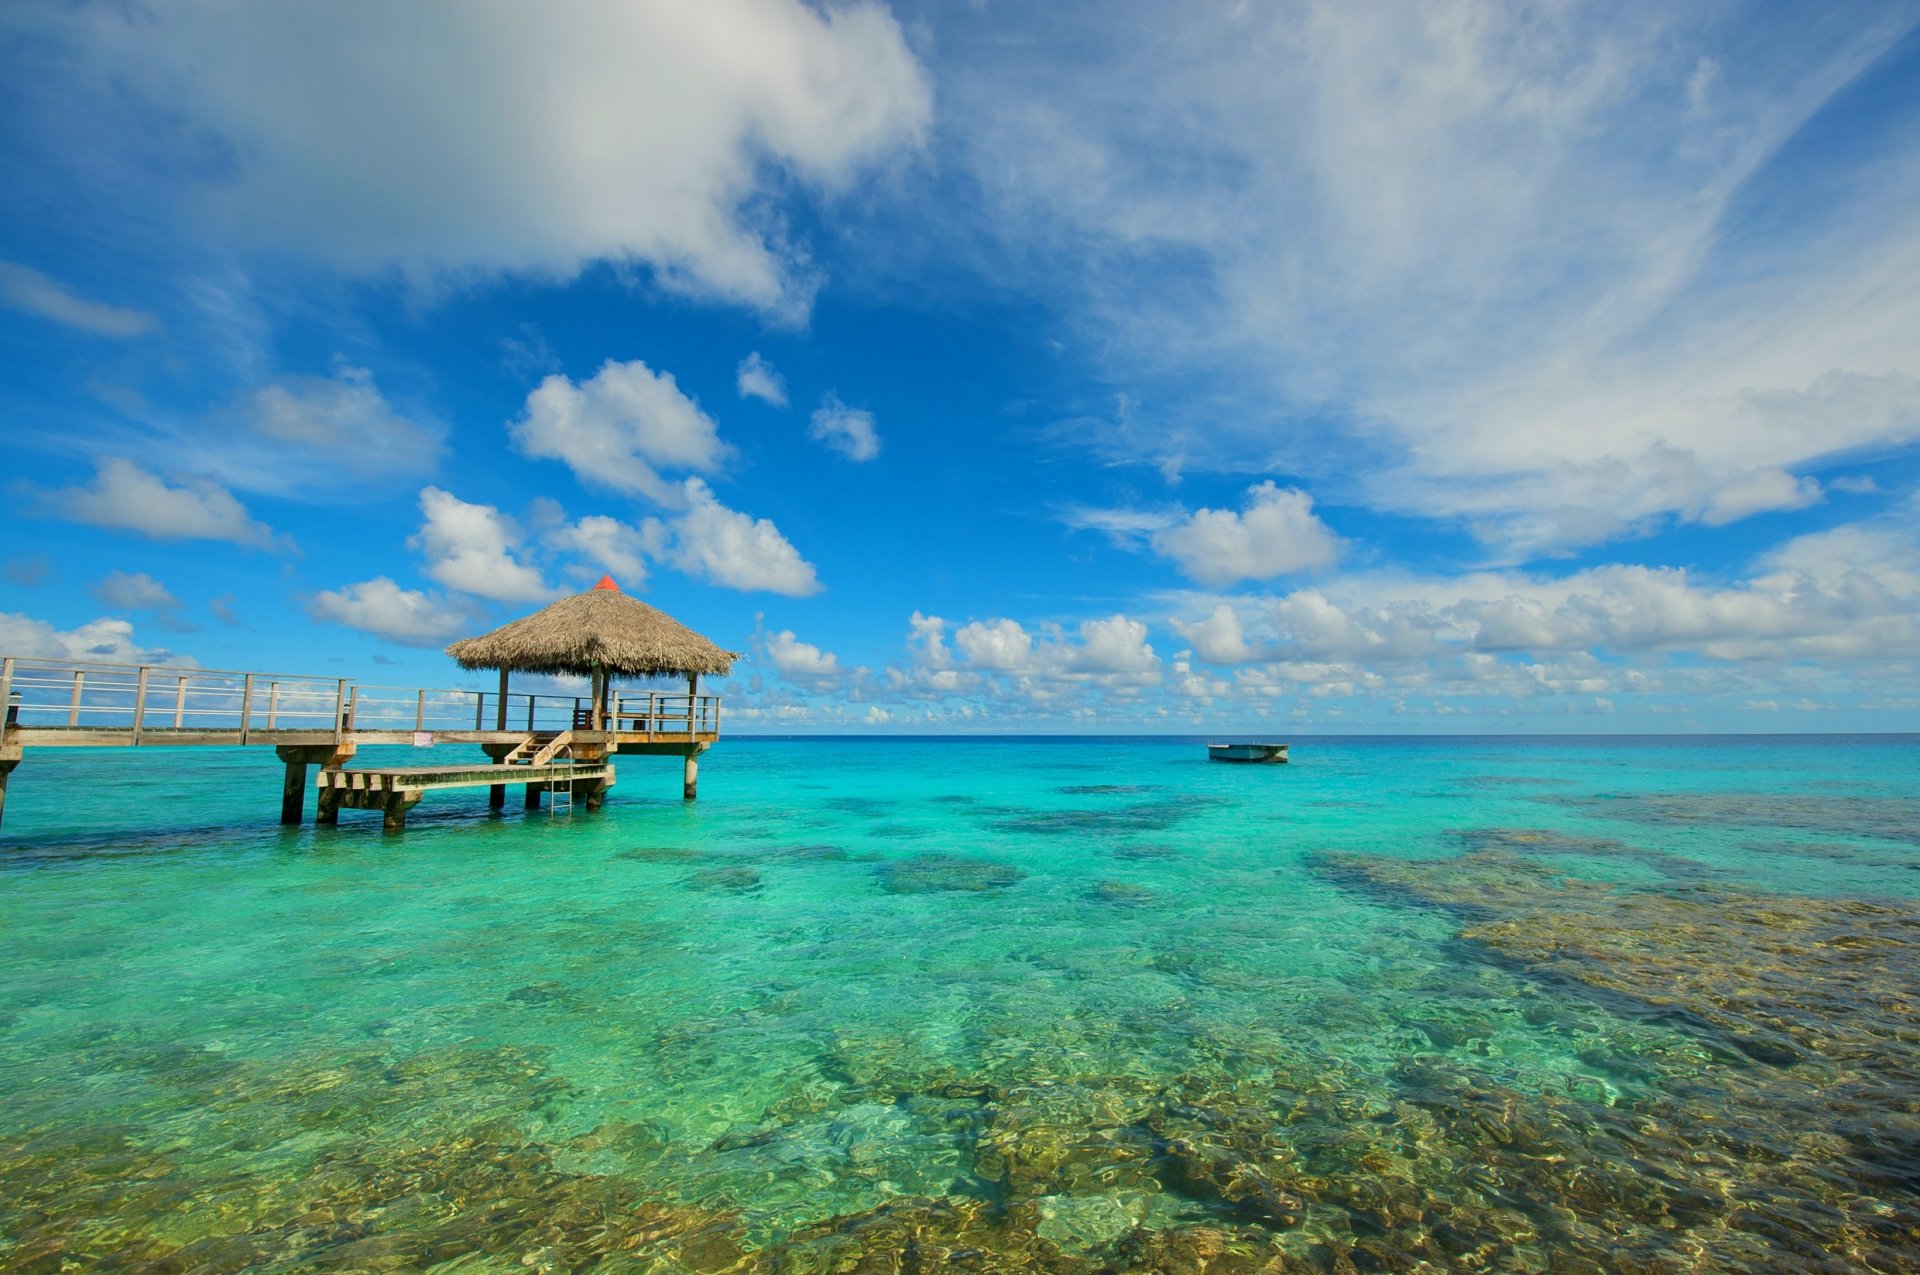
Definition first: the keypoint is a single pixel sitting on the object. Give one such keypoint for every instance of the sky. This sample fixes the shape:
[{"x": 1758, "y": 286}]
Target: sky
[{"x": 984, "y": 367}]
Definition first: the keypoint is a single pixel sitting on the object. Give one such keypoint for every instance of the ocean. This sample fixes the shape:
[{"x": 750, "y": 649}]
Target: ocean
[{"x": 1073, "y": 1005}]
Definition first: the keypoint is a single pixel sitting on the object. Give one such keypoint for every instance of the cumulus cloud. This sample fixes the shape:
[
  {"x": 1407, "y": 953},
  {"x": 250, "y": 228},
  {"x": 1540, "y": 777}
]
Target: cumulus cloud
[
  {"x": 729, "y": 548},
  {"x": 138, "y": 591},
  {"x": 111, "y": 641},
  {"x": 756, "y": 378},
  {"x": 802, "y": 662},
  {"x": 1851, "y": 593},
  {"x": 133, "y": 591},
  {"x": 547, "y": 137},
  {"x": 28, "y": 290},
  {"x": 1218, "y": 639},
  {"x": 1111, "y": 653},
  {"x": 604, "y": 545},
  {"x": 475, "y": 548},
  {"x": 408, "y": 617},
  {"x": 124, "y": 497},
  {"x": 999, "y": 645},
  {"x": 1276, "y": 534},
  {"x": 846, "y": 430},
  {"x": 619, "y": 429}
]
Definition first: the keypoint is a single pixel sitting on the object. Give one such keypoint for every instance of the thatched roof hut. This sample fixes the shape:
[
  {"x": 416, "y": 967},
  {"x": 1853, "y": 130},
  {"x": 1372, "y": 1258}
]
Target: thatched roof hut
[{"x": 602, "y": 631}]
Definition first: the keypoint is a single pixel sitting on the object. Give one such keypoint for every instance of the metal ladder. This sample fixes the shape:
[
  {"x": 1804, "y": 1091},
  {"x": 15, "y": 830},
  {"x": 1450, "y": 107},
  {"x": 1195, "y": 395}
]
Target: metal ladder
[{"x": 554, "y": 794}]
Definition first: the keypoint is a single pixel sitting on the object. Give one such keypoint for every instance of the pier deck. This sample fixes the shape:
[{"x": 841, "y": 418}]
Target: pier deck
[{"x": 543, "y": 742}]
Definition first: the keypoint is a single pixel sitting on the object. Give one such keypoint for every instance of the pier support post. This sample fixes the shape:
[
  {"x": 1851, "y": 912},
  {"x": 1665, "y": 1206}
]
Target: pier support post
[
  {"x": 398, "y": 803},
  {"x": 595, "y": 792},
  {"x": 533, "y": 795},
  {"x": 6, "y": 769},
  {"x": 690, "y": 777},
  {"x": 293, "y": 793},
  {"x": 329, "y": 809}
]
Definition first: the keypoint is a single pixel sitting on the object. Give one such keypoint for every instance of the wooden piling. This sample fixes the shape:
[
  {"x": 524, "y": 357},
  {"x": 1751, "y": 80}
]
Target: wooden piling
[
  {"x": 329, "y": 808},
  {"x": 6, "y": 770},
  {"x": 293, "y": 793},
  {"x": 690, "y": 777},
  {"x": 533, "y": 795},
  {"x": 396, "y": 816}
]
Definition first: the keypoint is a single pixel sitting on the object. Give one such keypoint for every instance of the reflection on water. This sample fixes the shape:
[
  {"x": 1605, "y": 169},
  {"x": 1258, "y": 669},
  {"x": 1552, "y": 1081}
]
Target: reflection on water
[{"x": 1389, "y": 1008}]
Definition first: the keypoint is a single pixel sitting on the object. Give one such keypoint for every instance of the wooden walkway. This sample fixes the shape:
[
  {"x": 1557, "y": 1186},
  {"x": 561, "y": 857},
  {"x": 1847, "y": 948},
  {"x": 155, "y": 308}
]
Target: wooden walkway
[
  {"x": 548, "y": 743},
  {"x": 396, "y": 790}
]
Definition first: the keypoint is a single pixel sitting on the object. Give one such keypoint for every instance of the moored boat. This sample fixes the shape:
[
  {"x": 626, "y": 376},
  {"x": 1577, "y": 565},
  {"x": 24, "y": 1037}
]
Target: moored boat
[{"x": 1247, "y": 752}]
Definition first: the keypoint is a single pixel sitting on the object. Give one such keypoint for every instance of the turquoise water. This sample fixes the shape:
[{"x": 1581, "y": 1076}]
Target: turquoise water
[{"x": 998, "y": 1004}]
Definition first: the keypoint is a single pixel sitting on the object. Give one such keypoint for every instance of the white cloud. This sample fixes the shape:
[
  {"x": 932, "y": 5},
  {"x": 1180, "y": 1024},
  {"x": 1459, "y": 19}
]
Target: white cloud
[
  {"x": 1278, "y": 534},
  {"x": 801, "y": 662},
  {"x": 1851, "y": 593},
  {"x": 135, "y": 591},
  {"x": 545, "y": 137},
  {"x": 757, "y": 378},
  {"x": 1002, "y": 644},
  {"x": 617, "y": 430},
  {"x": 729, "y": 548},
  {"x": 110, "y": 641},
  {"x": 846, "y": 430},
  {"x": 1110, "y": 652},
  {"x": 124, "y": 497},
  {"x": 318, "y": 428},
  {"x": 1493, "y": 264},
  {"x": 1125, "y": 527},
  {"x": 382, "y": 608},
  {"x": 876, "y": 715},
  {"x": 472, "y": 548},
  {"x": 606, "y": 545},
  {"x": 30, "y": 291},
  {"x": 1218, "y": 639}
]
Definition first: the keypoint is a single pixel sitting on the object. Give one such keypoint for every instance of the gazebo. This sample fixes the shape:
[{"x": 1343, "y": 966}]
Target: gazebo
[{"x": 602, "y": 634}]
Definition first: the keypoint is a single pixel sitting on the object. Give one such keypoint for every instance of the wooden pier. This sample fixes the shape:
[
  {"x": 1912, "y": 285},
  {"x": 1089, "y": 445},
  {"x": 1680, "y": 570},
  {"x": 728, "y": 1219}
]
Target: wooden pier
[{"x": 551, "y": 745}]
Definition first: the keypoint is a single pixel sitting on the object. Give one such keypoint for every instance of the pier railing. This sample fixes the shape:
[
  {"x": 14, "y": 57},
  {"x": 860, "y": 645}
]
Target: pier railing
[{"x": 152, "y": 703}]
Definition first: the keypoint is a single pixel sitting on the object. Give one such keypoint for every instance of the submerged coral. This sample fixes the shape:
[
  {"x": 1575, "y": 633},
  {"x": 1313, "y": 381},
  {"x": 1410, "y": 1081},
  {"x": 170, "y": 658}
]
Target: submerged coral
[{"x": 934, "y": 872}]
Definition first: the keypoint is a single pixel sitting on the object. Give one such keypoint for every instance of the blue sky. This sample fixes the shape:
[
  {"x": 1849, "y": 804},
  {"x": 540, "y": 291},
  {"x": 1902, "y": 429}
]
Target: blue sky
[{"x": 1130, "y": 367}]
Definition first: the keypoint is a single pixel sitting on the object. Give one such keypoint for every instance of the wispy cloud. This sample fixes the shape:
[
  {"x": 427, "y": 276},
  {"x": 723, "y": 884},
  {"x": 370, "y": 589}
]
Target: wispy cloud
[
  {"x": 1485, "y": 262},
  {"x": 28, "y": 290}
]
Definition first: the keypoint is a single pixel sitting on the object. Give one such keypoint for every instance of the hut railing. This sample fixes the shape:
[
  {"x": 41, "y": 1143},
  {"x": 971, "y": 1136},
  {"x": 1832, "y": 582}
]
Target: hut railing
[
  {"x": 665, "y": 713},
  {"x": 407, "y": 708}
]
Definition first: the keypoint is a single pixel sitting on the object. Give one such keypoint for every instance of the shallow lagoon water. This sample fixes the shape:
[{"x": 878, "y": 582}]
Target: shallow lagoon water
[{"x": 1075, "y": 1005}]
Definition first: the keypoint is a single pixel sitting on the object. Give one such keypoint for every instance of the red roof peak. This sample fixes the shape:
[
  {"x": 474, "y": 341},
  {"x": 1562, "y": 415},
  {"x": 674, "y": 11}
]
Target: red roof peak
[{"x": 606, "y": 582}]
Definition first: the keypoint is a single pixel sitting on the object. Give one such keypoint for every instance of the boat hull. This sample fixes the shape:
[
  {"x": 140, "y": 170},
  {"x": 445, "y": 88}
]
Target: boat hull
[{"x": 1247, "y": 752}]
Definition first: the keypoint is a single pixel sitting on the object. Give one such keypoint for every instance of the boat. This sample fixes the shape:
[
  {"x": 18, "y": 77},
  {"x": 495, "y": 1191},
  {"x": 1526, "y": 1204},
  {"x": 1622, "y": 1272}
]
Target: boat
[{"x": 1247, "y": 752}]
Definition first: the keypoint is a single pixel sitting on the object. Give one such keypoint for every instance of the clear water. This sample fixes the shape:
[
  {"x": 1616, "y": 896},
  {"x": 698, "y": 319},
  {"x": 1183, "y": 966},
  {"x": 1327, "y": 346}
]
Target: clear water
[{"x": 855, "y": 974}]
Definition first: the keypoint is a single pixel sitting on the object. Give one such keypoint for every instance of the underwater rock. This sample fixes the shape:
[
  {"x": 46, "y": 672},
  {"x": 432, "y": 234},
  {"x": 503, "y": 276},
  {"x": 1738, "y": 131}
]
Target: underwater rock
[
  {"x": 1155, "y": 817},
  {"x": 1119, "y": 893},
  {"x": 927, "y": 873},
  {"x": 1140, "y": 850},
  {"x": 1881, "y": 819},
  {"x": 735, "y": 880},
  {"x": 1092, "y": 790},
  {"x": 538, "y": 993},
  {"x": 662, "y": 854}
]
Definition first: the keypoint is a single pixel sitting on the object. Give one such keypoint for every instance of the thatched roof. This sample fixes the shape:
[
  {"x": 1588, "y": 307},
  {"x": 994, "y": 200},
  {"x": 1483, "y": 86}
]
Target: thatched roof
[{"x": 602, "y": 628}]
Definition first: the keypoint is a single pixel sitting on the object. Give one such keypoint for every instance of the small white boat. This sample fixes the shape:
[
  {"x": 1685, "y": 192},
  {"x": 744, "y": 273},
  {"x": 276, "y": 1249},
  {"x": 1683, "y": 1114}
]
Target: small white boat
[{"x": 1247, "y": 752}]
